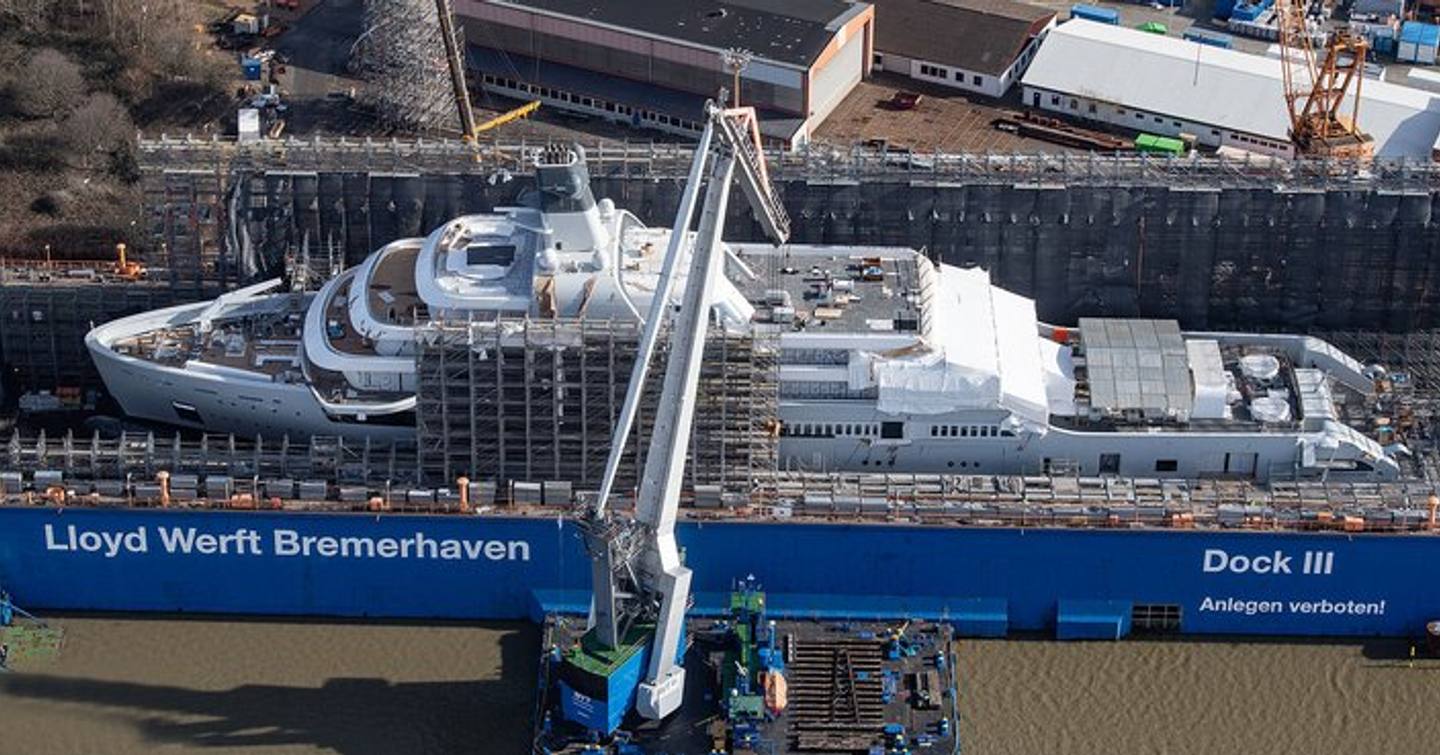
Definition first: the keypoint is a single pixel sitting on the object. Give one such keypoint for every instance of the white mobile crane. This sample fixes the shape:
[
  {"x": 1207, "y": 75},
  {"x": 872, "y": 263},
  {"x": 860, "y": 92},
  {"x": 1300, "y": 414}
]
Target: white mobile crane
[{"x": 636, "y": 565}]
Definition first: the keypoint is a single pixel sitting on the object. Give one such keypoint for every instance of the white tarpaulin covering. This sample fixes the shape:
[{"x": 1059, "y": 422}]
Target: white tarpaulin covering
[
  {"x": 982, "y": 352},
  {"x": 1207, "y": 370},
  {"x": 1059, "y": 366}
]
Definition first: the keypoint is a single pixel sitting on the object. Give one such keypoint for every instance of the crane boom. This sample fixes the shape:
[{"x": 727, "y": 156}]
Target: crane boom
[
  {"x": 1322, "y": 94},
  {"x": 643, "y": 555}
]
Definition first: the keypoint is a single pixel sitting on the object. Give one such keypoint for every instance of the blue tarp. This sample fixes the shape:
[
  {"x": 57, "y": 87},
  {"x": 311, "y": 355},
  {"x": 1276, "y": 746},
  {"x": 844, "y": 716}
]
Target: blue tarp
[{"x": 1093, "y": 619}]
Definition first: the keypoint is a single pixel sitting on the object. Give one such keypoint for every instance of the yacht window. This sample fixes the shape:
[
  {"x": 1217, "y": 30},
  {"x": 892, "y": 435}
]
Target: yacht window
[
  {"x": 934, "y": 430},
  {"x": 964, "y": 431},
  {"x": 892, "y": 430},
  {"x": 1166, "y": 465},
  {"x": 490, "y": 254}
]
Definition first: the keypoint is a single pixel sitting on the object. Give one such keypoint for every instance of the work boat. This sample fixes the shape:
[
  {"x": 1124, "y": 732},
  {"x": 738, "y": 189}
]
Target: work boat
[{"x": 887, "y": 361}]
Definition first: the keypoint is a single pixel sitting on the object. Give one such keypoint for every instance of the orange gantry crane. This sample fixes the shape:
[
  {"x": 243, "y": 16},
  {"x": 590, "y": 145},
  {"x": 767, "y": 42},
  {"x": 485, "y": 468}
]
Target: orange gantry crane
[{"x": 1322, "y": 91}]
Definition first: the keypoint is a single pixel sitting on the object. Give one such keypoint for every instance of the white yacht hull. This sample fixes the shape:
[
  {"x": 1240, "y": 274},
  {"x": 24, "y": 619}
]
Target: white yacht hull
[{"x": 232, "y": 402}]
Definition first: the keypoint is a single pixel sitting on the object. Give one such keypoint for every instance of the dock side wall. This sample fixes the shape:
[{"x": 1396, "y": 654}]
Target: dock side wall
[{"x": 504, "y": 567}]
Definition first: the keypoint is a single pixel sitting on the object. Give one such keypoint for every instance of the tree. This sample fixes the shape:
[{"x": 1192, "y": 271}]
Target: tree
[
  {"x": 28, "y": 15},
  {"x": 48, "y": 86},
  {"x": 100, "y": 129}
]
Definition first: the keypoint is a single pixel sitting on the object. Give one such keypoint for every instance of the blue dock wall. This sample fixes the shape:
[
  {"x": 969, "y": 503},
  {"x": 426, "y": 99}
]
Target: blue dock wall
[{"x": 510, "y": 568}]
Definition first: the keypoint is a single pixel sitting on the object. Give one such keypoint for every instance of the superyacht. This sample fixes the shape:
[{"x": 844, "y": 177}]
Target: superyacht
[{"x": 888, "y": 361}]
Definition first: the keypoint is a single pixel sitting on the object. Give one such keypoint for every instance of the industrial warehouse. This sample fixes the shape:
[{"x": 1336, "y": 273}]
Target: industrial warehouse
[
  {"x": 454, "y": 319},
  {"x": 654, "y": 65},
  {"x": 1131, "y": 79},
  {"x": 972, "y": 45}
]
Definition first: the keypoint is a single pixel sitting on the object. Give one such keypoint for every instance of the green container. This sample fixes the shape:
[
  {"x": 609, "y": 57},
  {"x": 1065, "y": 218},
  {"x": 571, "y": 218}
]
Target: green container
[{"x": 1159, "y": 145}]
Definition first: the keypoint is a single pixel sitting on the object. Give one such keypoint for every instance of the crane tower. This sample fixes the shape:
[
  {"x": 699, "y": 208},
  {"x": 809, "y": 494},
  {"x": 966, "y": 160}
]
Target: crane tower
[
  {"x": 633, "y": 647},
  {"x": 1322, "y": 93}
]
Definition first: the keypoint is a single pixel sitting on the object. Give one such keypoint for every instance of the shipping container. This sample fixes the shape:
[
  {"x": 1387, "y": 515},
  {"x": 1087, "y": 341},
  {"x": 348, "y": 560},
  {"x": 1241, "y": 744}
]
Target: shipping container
[
  {"x": 1210, "y": 38},
  {"x": 1249, "y": 11},
  {"x": 1419, "y": 43},
  {"x": 1159, "y": 145},
  {"x": 1382, "y": 8},
  {"x": 248, "y": 128},
  {"x": 1222, "y": 9},
  {"x": 1263, "y": 26},
  {"x": 250, "y": 67},
  {"x": 1096, "y": 14}
]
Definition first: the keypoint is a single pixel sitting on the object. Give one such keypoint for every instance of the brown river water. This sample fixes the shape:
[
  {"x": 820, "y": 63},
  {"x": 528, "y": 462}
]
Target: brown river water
[{"x": 126, "y": 686}]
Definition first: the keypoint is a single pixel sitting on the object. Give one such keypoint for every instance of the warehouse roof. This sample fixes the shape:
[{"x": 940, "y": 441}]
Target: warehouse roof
[
  {"x": 1234, "y": 90},
  {"x": 978, "y": 35},
  {"x": 686, "y": 105},
  {"x": 785, "y": 31}
]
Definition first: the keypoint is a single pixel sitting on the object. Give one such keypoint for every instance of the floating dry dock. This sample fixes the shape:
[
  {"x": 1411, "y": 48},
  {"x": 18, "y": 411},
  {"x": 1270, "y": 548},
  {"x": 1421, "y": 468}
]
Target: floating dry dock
[{"x": 268, "y": 531}]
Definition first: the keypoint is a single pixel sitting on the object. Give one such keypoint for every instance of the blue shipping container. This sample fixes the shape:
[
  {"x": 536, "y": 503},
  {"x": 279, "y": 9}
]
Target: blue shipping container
[
  {"x": 1093, "y": 13},
  {"x": 1222, "y": 9},
  {"x": 251, "y": 68},
  {"x": 1213, "y": 39},
  {"x": 1250, "y": 11},
  {"x": 1414, "y": 32}
]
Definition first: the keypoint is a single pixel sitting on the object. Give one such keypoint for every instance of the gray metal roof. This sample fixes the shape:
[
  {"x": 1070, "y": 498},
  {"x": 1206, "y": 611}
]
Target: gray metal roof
[{"x": 1137, "y": 365}]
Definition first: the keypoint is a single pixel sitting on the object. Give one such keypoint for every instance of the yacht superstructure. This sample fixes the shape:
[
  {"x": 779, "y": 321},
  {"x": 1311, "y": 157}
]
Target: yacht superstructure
[{"x": 888, "y": 362}]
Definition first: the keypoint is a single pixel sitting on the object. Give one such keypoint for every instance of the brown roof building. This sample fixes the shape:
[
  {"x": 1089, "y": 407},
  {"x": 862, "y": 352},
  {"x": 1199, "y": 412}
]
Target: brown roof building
[
  {"x": 653, "y": 64},
  {"x": 976, "y": 45}
]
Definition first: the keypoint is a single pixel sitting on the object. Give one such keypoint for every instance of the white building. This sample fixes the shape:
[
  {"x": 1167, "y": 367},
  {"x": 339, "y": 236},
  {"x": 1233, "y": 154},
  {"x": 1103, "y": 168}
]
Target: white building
[
  {"x": 1169, "y": 86},
  {"x": 975, "y": 45}
]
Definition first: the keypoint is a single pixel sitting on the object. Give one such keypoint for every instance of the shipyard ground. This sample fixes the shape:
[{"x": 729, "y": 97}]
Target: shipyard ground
[{"x": 126, "y": 686}]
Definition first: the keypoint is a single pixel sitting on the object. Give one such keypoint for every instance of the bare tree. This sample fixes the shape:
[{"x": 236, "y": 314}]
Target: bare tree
[
  {"x": 28, "y": 15},
  {"x": 100, "y": 130},
  {"x": 49, "y": 86}
]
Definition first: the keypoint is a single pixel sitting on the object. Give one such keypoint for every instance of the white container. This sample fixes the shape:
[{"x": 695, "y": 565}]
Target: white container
[{"x": 249, "y": 125}]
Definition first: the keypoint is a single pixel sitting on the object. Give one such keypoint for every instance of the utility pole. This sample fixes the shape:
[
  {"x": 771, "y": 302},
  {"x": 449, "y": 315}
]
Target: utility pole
[{"x": 736, "y": 60}]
